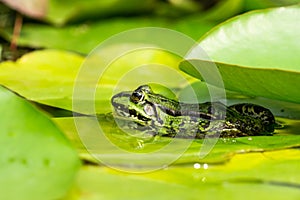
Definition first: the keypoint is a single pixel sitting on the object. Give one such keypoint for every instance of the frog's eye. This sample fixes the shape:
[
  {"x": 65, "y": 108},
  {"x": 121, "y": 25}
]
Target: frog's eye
[
  {"x": 144, "y": 88},
  {"x": 137, "y": 97}
]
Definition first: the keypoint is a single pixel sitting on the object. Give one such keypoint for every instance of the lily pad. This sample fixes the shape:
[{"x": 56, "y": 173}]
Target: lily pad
[
  {"x": 255, "y": 54},
  {"x": 260, "y": 4},
  {"x": 189, "y": 150},
  {"x": 48, "y": 76},
  {"x": 44, "y": 76},
  {"x": 61, "y": 12},
  {"x": 270, "y": 83},
  {"x": 37, "y": 161},
  {"x": 270, "y": 175},
  {"x": 85, "y": 37},
  {"x": 260, "y": 168}
]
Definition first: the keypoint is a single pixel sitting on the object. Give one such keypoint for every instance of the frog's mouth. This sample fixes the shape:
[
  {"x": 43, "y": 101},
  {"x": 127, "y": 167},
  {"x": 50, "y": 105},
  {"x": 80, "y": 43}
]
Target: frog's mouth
[{"x": 120, "y": 103}]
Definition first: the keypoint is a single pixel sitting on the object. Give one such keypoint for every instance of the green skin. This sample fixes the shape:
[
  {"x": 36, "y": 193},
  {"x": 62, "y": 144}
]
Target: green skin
[{"x": 157, "y": 115}]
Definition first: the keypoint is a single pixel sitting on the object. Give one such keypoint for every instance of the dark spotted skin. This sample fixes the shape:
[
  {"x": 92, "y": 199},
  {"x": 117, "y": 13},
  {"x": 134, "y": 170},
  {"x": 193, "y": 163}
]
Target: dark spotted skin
[{"x": 158, "y": 115}]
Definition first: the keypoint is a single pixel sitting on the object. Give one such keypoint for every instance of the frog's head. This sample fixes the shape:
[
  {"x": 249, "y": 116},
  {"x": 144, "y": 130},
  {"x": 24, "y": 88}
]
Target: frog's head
[{"x": 134, "y": 105}]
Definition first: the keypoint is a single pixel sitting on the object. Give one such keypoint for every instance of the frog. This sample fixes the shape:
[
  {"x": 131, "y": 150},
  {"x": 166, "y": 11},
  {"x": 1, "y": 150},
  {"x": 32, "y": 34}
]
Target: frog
[{"x": 155, "y": 114}]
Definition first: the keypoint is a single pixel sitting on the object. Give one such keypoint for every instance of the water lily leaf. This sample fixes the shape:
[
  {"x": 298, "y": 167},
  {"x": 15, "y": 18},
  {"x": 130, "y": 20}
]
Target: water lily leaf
[
  {"x": 44, "y": 76},
  {"x": 262, "y": 168},
  {"x": 254, "y": 53},
  {"x": 37, "y": 161},
  {"x": 270, "y": 83},
  {"x": 208, "y": 10},
  {"x": 85, "y": 37},
  {"x": 224, "y": 10},
  {"x": 190, "y": 149},
  {"x": 61, "y": 12},
  {"x": 260, "y": 4},
  {"x": 48, "y": 76},
  {"x": 270, "y": 175}
]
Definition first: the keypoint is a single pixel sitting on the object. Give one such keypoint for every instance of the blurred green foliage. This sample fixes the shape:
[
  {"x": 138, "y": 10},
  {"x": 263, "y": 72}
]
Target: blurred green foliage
[{"x": 255, "y": 52}]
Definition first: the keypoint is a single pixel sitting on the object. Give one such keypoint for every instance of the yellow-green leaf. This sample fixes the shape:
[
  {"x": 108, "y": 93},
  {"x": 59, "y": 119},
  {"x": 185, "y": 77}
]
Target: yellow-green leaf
[{"x": 37, "y": 161}]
